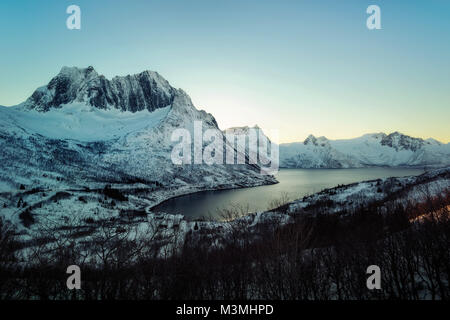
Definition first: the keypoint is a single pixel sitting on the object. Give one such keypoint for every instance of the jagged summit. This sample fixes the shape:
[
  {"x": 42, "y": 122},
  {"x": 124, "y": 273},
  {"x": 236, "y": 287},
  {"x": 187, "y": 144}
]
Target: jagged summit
[
  {"x": 399, "y": 141},
  {"x": 146, "y": 90},
  {"x": 312, "y": 140}
]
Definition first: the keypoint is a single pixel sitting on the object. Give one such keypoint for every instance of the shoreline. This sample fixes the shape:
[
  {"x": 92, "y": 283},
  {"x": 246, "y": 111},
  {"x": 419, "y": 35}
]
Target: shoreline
[
  {"x": 149, "y": 208},
  {"x": 194, "y": 190}
]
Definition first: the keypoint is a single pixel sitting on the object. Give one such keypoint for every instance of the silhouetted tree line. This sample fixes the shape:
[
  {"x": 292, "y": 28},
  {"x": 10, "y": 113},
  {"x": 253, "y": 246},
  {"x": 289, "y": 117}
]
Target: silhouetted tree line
[{"x": 318, "y": 256}]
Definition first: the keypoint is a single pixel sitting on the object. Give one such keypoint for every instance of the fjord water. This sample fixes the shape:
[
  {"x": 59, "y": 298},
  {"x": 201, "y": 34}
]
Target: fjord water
[{"x": 295, "y": 183}]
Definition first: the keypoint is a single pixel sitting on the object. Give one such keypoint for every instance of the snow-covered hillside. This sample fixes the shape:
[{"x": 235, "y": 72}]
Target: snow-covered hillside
[
  {"x": 401, "y": 191},
  {"x": 82, "y": 132},
  {"x": 377, "y": 149},
  {"x": 251, "y": 141},
  {"x": 78, "y": 121}
]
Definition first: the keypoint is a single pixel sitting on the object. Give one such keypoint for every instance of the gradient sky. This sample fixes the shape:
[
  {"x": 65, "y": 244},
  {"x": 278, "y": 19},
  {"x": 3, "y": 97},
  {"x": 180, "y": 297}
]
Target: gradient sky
[{"x": 297, "y": 66}]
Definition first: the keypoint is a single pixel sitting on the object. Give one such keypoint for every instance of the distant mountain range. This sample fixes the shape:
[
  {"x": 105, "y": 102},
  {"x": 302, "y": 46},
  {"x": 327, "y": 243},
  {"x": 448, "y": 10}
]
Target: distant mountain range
[
  {"x": 370, "y": 150},
  {"x": 377, "y": 149}
]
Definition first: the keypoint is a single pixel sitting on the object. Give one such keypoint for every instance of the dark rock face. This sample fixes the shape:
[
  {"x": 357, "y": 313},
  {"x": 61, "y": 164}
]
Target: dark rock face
[
  {"x": 399, "y": 141},
  {"x": 144, "y": 91},
  {"x": 312, "y": 140}
]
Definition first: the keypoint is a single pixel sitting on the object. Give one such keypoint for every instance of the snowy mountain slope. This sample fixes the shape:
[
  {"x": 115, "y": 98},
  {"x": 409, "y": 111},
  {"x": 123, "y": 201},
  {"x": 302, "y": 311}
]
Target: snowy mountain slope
[
  {"x": 81, "y": 132},
  {"x": 141, "y": 146},
  {"x": 249, "y": 139},
  {"x": 78, "y": 121},
  {"x": 401, "y": 191},
  {"x": 376, "y": 149},
  {"x": 315, "y": 153}
]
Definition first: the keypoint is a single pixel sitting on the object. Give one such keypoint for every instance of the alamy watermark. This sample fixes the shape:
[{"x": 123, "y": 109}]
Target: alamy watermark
[
  {"x": 74, "y": 20},
  {"x": 74, "y": 280},
  {"x": 374, "y": 20},
  {"x": 374, "y": 280},
  {"x": 212, "y": 147}
]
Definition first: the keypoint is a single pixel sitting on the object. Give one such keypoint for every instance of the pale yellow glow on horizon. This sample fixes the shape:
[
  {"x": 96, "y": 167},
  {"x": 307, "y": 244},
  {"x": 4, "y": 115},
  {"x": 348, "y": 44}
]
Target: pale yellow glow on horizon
[{"x": 240, "y": 111}]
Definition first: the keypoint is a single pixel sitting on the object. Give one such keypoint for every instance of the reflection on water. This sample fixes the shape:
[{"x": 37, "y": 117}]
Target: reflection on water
[{"x": 295, "y": 183}]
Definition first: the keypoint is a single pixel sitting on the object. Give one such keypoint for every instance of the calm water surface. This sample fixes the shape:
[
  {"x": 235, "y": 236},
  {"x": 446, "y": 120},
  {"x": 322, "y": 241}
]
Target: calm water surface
[{"x": 294, "y": 183}]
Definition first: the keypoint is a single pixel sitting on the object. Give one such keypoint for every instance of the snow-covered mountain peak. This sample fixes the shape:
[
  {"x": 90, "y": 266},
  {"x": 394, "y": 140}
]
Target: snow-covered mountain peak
[
  {"x": 73, "y": 72},
  {"x": 88, "y": 131},
  {"x": 399, "y": 141},
  {"x": 144, "y": 91},
  {"x": 312, "y": 140}
]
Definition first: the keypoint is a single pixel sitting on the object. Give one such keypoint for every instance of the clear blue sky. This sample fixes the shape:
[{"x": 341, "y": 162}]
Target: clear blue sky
[{"x": 297, "y": 66}]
